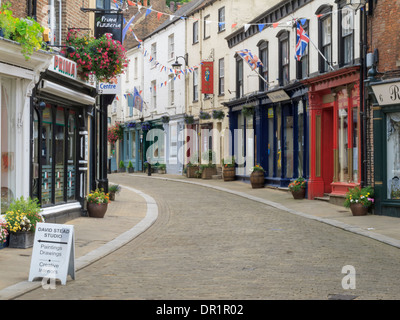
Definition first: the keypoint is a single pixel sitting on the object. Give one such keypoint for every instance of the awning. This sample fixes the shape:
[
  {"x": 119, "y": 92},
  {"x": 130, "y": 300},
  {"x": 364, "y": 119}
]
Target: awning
[{"x": 61, "y": 91}]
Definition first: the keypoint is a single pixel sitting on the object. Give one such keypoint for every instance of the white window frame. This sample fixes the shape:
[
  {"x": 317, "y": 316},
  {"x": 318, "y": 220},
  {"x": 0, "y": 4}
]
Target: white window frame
[
  {"x": 171, "y": 47},
  {"x": 52, "y": 21}
]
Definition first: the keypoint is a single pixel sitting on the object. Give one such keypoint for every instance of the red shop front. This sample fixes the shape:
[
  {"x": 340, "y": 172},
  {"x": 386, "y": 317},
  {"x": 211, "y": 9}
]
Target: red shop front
[{"x": 334, "y": 102}]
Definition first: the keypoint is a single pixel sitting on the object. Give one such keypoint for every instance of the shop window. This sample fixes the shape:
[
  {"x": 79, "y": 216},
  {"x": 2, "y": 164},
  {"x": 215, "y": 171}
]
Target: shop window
[
  {"x": 343, "y": 142},
  {"x": 288, "y": 143},
  {"x": 278, "y": 135},
  {"x": 393, "y": 155},
  {"x": 71, "y": 156},
  {"x": 133, "y": 144},
  {"x": 355, "y": 144},
  {"x": 8, "y": 133},
  {"x": 270, "y": 141},
  {"x": 46, "y": 155},
  {"x": 300, "y": 138}
]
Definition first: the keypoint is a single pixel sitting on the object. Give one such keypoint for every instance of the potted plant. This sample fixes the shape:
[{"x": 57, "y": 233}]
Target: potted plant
[
  {"x": 204, "y": 115},
  {"x": 298, "y": 188},
  {"x": 121, "y": 166},
  {"x": 161, "y": 168},
  {"x": 130, "y": 167},
  {"x": 113, "y": 190},
  {"x": 26, "y": 31},
  {"x": 247, "y": 111},
  {"x": 228, "y": 169},
  {"x": 97, "y": 203},
  {"x": 188, "y": 119},
  {"x": 359, "y": 200},
  {"x": 22, "y": 217},
  {"x": 257, "y": 177},
  {"x": 4, "y": 235},
  {"x": 191, "y": 169}
]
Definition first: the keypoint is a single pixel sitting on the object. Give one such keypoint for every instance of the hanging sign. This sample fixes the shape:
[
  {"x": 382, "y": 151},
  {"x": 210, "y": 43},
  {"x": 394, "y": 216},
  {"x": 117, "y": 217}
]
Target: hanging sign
[
  {"x": 53, "y": 254},
  {"x": 387, "y": 93},
  {"x": 277, "y": 96},
  {"x": 111, "y": 87},
  {"x": 207, "y": 76},
  {"x": 108, "y": 23}
]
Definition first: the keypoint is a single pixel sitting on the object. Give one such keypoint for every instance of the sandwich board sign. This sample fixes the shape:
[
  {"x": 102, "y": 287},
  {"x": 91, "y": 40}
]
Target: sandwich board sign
[{"x": 53, "y": 254}]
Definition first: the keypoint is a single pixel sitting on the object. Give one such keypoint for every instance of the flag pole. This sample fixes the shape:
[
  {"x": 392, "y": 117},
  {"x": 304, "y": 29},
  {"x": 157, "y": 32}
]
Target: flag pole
[{"x": 261, "y": 77}]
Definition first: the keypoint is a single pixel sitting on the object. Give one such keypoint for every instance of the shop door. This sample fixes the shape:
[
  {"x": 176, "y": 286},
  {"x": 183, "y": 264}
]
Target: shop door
[{"x": 327, "y": 148}]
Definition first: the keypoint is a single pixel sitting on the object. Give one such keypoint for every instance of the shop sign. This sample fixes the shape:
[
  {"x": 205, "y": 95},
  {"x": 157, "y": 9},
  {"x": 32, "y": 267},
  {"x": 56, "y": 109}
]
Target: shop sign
[
  {"x": 64, "y": 67},
  {"x": 277, "y": 96},
  {"x": 111, "y": 87},
  {"x": 387, "y": 93},
  {"x": 53, "y": 254},
  {"x": 108, "y": 23}
]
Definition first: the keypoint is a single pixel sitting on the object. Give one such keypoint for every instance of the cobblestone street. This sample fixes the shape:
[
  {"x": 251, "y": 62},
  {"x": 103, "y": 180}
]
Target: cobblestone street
[{"x": 208, "y": 244}]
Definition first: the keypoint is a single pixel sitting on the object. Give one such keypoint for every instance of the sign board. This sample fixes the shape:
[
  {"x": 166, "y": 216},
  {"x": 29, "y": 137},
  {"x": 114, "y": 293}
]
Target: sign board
[
  {"x": 53, "y": 254},
  {"x": 277, "y": 96},
  {"x": 64, "y": 67},
  {"x": 112, "y": 87},
  {"x": 387, "y": 93},
  {"x": 207, "y": 76},
  {"x": 108, "y": 23}
]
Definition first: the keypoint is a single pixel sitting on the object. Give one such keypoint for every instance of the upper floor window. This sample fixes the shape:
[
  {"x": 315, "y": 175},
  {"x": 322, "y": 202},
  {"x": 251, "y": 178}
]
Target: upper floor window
[
  {"x": 221, "y": 19},
  {"x": 195, "y": 32},
  {"x": 221, "y": 76},
  {"x": 302, "y": 66},
  {"x": 153, "y": 94},
  {"x": 346, "y": 36},
  {"x": 263, "y": 54},
  {"x": 206, "y": 26},
  {"x": 31, "y": 8},
  {"x": 171, "y": 90},
  {"x": 54, "y": 14},
  {"x": 153, "y": 54},
  {"x": 283, "y": 37},
  {"x": 196, "y": 84},
  {"x": 239, "y": 77},
  {"x": 325, "y": 38},
  {"x": 171, "y": 47}
]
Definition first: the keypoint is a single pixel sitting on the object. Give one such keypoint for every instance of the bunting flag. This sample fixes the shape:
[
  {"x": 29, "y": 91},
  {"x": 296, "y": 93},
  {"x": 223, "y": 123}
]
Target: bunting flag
[
  {"x": 301, "y": 42},
  {"x": 126, "y": 28},
  {"x": 148, "y": 11}
]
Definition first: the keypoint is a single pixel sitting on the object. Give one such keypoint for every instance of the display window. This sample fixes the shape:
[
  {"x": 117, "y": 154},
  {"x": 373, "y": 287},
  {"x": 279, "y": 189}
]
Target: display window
[{"x": 393, "y": 155}]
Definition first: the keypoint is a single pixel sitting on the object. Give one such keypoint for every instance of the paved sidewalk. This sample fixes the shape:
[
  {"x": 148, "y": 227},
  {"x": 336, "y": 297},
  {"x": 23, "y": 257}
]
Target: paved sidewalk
[
  {"x": 382, "y": 228},
  {"x": 130, "y": 214},
  {"x": 133, "y": 212}
]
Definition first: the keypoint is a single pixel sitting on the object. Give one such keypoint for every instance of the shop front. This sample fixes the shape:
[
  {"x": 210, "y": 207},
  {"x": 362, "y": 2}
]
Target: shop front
[
  {"x": 18, "y": 77},
  {"x": 60, "y": 143},
  {"x": 386, "y": 134},
  {"x": 334, "y": 111},
  {"x": 282, "y": 142}
]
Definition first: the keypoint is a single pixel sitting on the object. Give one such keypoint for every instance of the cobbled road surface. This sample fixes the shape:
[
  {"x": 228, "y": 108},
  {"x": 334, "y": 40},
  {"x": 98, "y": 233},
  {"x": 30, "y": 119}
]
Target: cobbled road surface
[{"x": 207, "y": 244}]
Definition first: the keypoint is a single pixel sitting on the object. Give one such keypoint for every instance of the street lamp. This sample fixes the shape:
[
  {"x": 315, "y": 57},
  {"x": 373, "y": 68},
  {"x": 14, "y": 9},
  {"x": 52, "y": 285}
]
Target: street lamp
[
  {"x": 356, "y": 4},
  {"x": 176, "y": 65}
]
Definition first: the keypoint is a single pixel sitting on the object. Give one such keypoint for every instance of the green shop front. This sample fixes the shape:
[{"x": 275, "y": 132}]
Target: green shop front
[
  {"x": 142, "y": 141},
  {"x": 386, "y": 134}
]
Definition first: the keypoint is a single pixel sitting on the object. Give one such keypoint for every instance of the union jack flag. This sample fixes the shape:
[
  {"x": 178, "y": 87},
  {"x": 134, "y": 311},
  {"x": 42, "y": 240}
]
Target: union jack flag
[
  {"x": 302, "y": 42},
  {"x": 251, "y": 59}
]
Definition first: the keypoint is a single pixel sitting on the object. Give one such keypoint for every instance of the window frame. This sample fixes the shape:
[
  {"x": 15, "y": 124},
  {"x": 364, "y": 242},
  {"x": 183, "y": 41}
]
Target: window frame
[
  {"x": 326, "y": 12},
  {"x": 239, "y": 81},
  {"x": 263, "y": 70},
  {"x": 342, "y": 37},
  {"x": 221, "y": 18},
  {"x": 221, "y": 77},
  {"x": 196, "y": 84},
  {"x": 283, "y": 39},
  {"x": 206, "y": 27},
  {"x": 195, "y": 33}
]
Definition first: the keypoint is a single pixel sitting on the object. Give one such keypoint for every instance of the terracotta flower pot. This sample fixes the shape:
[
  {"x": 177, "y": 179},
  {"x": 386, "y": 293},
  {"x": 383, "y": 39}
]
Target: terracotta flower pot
[
  {"x": 357, "y": 209},
  {"x": 257, "y": 179},
  {"x": 97, "y": 210},
  {"x": 299, "y": 194},
  {"x": 229, "y": 173}
]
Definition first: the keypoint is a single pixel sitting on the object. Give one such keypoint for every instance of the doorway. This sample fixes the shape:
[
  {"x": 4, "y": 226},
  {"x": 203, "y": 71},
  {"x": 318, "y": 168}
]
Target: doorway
[{"x": 327, "y": 148}]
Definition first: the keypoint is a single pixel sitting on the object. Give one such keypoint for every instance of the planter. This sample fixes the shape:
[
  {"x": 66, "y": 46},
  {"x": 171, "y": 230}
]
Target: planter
[
  {"x": 357, "y": 209},
  {"x": 207, "y": 173},
  {"x": 121, "y": 170},
  {"x": 161, "y": 171},
  {"x": 191, "y": 171},
  {"x": 257, "y": 179},
  {"x": 229, "y": 173},
  {"x": 6, "y": 243},
  {"x": 21, "y": 240},
  {"x": 111, "y": 196},
  {"x": 131, "y": 170},
  {"x": 299, "y": 194},
  {"x": 97, "y": 210}
]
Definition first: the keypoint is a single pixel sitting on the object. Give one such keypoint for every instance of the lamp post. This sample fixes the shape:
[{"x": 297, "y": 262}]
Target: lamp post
[{"x": 176, "y": 65}]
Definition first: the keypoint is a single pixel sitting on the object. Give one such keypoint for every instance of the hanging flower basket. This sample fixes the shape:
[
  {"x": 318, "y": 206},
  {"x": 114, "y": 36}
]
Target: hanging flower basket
[
  {"x": 103, "y": 57},
  {"x": 204, "y": 115},
  {"x": 115, "y": 133},
  {"x": 218, "y": 114},
  {"x": 188, "y": 119},
  {"x": 131, "y": 125},
  {"x": 247, "y": 111},
  {"x": 146, "y": 126},
  {"x": 165, "y": 119}
]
